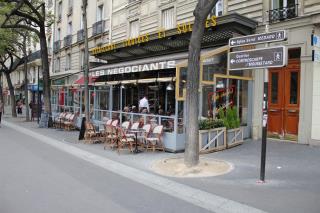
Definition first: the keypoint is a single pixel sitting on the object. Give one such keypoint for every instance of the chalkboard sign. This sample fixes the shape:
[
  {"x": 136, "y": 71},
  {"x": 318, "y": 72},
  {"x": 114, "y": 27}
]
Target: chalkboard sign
[
  {"x": 44, "y": 120},
  {"x": 82, "y": 129}
]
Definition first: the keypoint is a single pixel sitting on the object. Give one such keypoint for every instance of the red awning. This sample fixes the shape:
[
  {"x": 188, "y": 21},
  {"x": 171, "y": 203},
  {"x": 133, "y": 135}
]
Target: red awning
[{"x": 80, "y": 81}]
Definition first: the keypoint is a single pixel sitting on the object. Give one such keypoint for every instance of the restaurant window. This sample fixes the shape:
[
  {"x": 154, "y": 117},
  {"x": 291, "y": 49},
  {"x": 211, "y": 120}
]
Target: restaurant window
[
  {"x": 168, "y": 18},
  {"x": 216, "y": 64},
  {"x": 101, "y": 105},
  {"x": 134, "y": 29}
]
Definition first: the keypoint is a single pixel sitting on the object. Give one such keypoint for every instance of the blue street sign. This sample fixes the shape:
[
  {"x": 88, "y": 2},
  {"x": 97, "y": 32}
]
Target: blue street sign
[{"x": 315, "y": 40}]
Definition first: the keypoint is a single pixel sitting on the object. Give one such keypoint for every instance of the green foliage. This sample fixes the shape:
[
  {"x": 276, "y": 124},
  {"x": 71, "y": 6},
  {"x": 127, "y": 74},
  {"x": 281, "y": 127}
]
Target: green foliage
[
  {"x": 230, "y": 118},
  {"x": 210, "y": 124}
]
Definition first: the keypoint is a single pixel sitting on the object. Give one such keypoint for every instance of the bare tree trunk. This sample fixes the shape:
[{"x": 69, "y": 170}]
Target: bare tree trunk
[
  {"x": 191, "y": 156},
  {"x": 45, "y": 72},
  {"x": 1, "y": 90},
  {"x": 25, "y": 67},
  {"x": 13, "y": 100}
]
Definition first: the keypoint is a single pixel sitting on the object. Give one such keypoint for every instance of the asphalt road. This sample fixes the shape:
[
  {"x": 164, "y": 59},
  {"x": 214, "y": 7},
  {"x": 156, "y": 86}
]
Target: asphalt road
[{"x": 37, "y": 178}]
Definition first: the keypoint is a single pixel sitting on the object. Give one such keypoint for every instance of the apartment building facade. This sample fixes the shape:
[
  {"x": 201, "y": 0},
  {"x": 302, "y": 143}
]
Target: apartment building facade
[{"x": 129, "y": 37}]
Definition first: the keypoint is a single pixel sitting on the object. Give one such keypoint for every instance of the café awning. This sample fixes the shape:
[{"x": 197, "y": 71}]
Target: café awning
[{"x": 80, "y": 81}]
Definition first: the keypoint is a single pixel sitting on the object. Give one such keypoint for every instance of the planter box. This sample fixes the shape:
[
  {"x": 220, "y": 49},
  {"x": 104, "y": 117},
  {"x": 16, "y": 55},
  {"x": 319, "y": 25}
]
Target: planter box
[
  {"x": 234, "y": 137},
  {"x": 212, "y": 140}
]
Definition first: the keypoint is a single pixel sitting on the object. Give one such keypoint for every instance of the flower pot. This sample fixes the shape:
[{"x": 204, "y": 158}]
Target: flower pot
[
  {"x": 212, "y": 140},
  {"x": 234, "y": 137}
]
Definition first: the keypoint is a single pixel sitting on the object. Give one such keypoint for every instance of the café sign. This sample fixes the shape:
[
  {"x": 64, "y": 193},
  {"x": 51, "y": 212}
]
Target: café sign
[{"x": 135, "y": 68}]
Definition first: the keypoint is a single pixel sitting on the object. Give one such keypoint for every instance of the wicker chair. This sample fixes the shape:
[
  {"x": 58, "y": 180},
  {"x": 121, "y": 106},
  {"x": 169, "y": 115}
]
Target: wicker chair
[
  {"x": 145, "y": 134},
  {"x": 111, "y": 136},
  {"x": 124, "y": 143},
  {"x": 90, "y": 134},
  {"x": 69, "y": 123},
  {"x": 155, "y": 142}
]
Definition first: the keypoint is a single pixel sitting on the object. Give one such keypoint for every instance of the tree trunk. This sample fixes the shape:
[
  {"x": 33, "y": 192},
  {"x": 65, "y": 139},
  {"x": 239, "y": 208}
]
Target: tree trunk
[
  {"x": 13, "y": 100},
  {"x": 191, "y": 156},
  {"x": 25, "y": 69},
  {"x": 1, "y": 90},
  {"x": 45, "y": 71}
]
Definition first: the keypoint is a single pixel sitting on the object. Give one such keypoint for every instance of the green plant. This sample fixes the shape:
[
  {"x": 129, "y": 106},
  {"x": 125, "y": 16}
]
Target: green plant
[
  {"x": 230, "y": 118},
  {"x": 210, "y": 124}
]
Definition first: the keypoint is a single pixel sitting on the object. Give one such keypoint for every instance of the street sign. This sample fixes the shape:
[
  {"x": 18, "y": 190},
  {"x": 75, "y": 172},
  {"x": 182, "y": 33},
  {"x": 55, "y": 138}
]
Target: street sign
[
  {"x": 258, "y": 58},
  {"x": 316, "y": 55},
  {"x": 315, "y": 40},
  {"x": 258, "y": 38}
]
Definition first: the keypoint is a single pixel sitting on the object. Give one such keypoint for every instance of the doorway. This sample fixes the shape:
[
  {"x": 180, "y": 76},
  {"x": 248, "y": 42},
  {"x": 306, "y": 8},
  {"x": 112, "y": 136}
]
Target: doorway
[{"x": 284, "y": 100}]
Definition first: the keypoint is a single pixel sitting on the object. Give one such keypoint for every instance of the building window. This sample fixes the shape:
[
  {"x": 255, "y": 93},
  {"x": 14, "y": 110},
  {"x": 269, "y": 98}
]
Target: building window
[
  {"x": 57, "y": 66},
  {"x": 168, "y": 18},
  {"x": 68, "y": 61},
  {"x": 70, "y": 28},
  {"x": 134, "y": 29},
  {"x": 58, "y": 34},
  {"x": 100, "y": 13},
  {"x": 81, "y": 22},
  {"x": 82, "y": 58},
  {"x": 60, "y": 10},
  {"x": 283, "y": 9},
  {"x": 217, "y": 10}
]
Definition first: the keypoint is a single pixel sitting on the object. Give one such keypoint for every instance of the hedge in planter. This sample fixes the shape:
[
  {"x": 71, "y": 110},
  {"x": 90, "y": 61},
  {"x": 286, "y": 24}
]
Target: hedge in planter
[
  {"x": 212, "y": 135},
  {"x": 231, "y": 121}
]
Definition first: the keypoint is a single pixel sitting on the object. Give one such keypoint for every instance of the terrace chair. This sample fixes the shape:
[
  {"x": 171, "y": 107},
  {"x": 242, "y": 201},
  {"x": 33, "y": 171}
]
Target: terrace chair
[
  {"x": 58, "y": 119},
  {"x": 124, "y": 142},
  {"x": 144, "y": 135},
  {"x": 134, "y": 126},
  {"x": 115, "y": 123},
  {"x": 155, "y": 142},
  {"x": 90, "y": 134},
  {"x": 109, "y": 122},
  {"x": 111, "y": 136},
  {"x": 70, "y": 123},
  {"x": 125, "y": 125}
]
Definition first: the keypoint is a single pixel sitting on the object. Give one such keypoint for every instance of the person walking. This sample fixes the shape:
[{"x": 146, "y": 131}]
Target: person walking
[{"x": 1, "y": 110}]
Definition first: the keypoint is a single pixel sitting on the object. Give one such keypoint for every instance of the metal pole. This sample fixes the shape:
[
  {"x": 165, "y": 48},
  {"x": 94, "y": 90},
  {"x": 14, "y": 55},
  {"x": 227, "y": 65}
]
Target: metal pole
[
  {"x": 38, "y": 92},
  {"x": 86, "y": 59},
  {"x": 264, "y": 122}
]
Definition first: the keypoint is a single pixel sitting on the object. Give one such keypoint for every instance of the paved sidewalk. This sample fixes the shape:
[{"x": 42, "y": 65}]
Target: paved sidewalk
[{"x": 292, "y": 173}]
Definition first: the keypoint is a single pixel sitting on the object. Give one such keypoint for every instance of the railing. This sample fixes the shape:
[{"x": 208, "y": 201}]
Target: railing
[
  {"x": 80, "y": 35},
  {"x": 283, "y": 13},
  {"x": 67, "y": 41},
  {"x": 98, "y": 28},
  {"x": 168, "y": 122},
  {"x": 64, "y": 108},
  {"x": 56, "y": 46},
  {"x": 33, "y": 56}
]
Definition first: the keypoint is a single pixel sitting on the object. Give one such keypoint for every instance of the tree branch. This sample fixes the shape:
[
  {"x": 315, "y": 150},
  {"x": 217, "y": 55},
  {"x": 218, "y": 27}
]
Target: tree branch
[{"x": 22, "y": 27}]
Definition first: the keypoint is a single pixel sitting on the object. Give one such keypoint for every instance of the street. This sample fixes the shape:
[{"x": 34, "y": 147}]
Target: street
[{"x": 35, "y": 178}]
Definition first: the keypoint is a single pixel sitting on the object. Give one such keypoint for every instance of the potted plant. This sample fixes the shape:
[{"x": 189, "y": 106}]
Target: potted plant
[
  {"x": 231, "y": 121},
  {"x": 212, "y": 135}
]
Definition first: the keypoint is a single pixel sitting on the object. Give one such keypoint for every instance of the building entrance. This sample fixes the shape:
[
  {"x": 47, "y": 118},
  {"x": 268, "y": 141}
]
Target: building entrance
[{"x": 284, "y": 100}]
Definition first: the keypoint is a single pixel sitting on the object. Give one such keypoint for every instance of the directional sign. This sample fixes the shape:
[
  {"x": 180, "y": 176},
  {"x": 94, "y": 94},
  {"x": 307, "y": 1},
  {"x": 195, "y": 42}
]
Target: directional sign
[
  {"x": 316, "y": 55},
  {"x": 258, "y": 38},
  {"x": 315, "y": 40},
  {"x": 258, "y": 58}
]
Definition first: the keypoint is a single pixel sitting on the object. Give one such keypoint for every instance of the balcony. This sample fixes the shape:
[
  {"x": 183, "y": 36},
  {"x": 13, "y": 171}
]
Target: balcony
[
  {"x": 283, "y": 13},
  {"x": 67, "y": 41},
  {"x": 56, "y": 46},
  {"x": 98, "y": 28},
  {"x": 80, "y": 35},
  {"x": 70, "y": 9}
]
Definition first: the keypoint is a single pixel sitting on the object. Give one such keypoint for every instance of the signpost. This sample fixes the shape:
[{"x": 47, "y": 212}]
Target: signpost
[
  {"x": 263, "y": 58},
  {"x": 258, "y": 38},
  {"x": 258, "y": 58}
]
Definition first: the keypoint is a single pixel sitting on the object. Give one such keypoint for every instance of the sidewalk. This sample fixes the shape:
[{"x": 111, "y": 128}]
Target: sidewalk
[{"x": 292, "y": 172}]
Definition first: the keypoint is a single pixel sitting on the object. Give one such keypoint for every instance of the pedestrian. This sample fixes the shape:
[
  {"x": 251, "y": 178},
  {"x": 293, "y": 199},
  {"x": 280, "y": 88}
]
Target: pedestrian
[
  {"x": 1, "y": 111},
  {"x": 144, "y": 105},
  {"x": 20, "y": 107}
]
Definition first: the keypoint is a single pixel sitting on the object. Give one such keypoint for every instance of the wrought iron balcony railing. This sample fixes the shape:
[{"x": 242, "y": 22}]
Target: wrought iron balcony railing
[
  {"x": 80, "y": 35},
  {"x": 98, "y": 28},
  {"x": 56, "y": 46},
  {"x": 67, "y": 41},
  {"x": 283, "y": 13}
]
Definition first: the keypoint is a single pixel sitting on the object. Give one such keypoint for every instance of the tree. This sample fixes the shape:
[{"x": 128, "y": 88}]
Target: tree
[
  {"x": 31, "y": 15},
  {"x": 201, "y": 12},
  {"x": 9, "y": 61}
]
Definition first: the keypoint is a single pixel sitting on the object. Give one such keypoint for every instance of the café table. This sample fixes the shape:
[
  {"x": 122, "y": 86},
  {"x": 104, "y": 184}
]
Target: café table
[{"x": 136, "y": 131}]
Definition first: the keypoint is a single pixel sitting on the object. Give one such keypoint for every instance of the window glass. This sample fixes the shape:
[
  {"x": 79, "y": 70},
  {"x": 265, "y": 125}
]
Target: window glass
[
  {"x": 100, "y": 13},
  {"x": 274, "y": 87},
  {"x": 182, "y": 81},
  {"x": 293, "y": 88},
  {"x": 214, "y": 65},
  {"x": 134, "y": 29}
]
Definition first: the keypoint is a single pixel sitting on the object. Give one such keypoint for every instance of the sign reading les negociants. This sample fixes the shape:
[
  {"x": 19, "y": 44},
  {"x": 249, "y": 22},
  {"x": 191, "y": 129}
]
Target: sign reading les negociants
[
  {"x": 258, "y": 58},
  {"x": 136, "y": 68},
  {"x": 258, "y": 38}
]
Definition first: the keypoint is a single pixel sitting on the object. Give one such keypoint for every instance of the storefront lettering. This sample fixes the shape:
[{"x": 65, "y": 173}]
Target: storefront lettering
[
  {"x": 138, "y": 40},
  {"x": 136, "y": 68}
]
